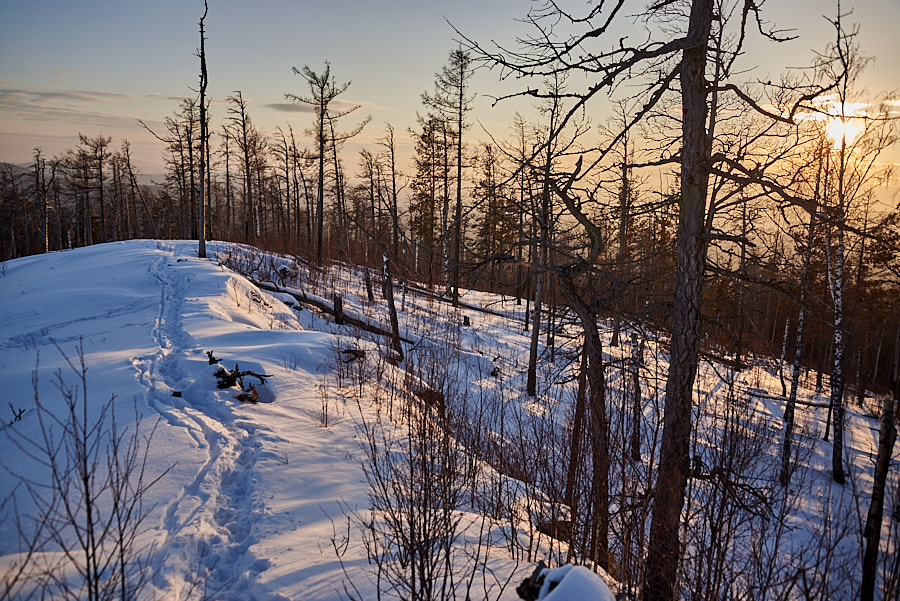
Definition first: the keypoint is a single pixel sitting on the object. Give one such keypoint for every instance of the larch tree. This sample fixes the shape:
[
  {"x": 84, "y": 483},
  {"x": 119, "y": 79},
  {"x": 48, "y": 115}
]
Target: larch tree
[
  {"x": 243, "y": 133},
  {"x": 182, "y": 163},
  {"x": 323, "y": 90},
  {"x": 452, "y": 100},
  {"x": 390, "y": 150},
  {"x": 425, "y": 197},
  {"x": 229, "y": 203},
  {"x": 282, "y": 150},
  {"x": 41, "y": 189},
  {"x": 96, "y": 150}
]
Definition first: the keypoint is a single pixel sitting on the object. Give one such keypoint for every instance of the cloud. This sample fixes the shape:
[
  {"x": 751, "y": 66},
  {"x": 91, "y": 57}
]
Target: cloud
[
  {"x": 76, "y": 106},
  {"x": 337, "y": 105},
  {"x": 289, "y": 107},
  {"x": 23, "y": 97}
]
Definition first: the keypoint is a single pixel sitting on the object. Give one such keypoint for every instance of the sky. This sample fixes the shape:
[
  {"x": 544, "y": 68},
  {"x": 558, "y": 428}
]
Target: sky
[{"x": 97, "y": 66}]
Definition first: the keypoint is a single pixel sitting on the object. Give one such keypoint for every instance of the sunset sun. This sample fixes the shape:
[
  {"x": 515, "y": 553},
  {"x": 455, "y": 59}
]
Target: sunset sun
[
  {"x": 844, "y": 122},
  {"x": 844, "y": 129}
]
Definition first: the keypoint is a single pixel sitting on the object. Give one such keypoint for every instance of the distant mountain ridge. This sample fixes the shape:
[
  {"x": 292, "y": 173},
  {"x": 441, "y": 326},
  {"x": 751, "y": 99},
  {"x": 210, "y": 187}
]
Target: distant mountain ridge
[{"x": 23, "y": 169}]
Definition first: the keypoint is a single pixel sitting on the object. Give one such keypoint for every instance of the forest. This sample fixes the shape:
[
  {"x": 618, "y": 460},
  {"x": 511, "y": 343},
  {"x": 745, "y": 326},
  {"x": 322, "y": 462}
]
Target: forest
[{"x": 744, "y": 222}]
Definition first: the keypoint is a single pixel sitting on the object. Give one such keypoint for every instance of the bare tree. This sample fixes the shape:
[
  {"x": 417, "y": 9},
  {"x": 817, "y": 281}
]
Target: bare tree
[
  {"x": 204, "y": 142},
  {"x": 96, "y": 150},
  {"x": 41, "y": 188},
  {"x": 245, "y": 135},
  {"x": 785, "y": 474},
  {"x": 693, "y": 62},
  {"x": 872, "y": 532},
  {"x": 90, "y": 508},
  {"x": 323, "y": 92},
  {"x": 452, "y": 100},
  {"x": 850, "y": 172},
  {"x": 393, "y": 206}
]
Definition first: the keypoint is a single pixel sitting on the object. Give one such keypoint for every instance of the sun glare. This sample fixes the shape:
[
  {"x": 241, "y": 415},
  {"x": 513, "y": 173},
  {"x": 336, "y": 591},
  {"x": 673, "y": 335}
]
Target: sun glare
[
  {"x": 843, "y": 129},
  {"x": 842, "y": 122}
]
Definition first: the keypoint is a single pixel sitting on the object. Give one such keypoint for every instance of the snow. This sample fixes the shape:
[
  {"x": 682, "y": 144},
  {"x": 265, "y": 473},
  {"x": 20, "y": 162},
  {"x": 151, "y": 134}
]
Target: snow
[
  {"x": 571, "y": 582},
  {"x": 247, "y": 501},
  {"x": 256, "y": 496},
  {"x": 255, "y": 493}
]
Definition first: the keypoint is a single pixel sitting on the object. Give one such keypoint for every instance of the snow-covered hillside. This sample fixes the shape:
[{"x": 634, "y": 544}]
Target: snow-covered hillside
[
  {"x": 265, "y": 501},
  {"x": 243, "y": 511}
]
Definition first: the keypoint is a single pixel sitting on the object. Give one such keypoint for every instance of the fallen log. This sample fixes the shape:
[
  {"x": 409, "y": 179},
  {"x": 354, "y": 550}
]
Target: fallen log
[{"x": 323, "y": 305}]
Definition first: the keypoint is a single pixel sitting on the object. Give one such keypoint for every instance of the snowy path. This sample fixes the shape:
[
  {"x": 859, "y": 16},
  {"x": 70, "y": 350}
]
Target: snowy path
[{"x": 209, "y": 523}]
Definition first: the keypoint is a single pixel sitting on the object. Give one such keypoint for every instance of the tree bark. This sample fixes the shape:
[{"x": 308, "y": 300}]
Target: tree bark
[
  {"x": 599, "y": 432},
  {"x": 872, "y": 532},
  {"x": 785, "y": 475},
  {"x": 661, "y": 571},
  {"x": 201, "y": 208},
  {"x": 531, "y": 376}
]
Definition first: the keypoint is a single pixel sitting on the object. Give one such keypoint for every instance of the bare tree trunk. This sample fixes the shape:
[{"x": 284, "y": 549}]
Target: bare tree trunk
[
  {"x": 637, "y": 405},
  {"x": 41, "y": 185},
  {"x": 100, "y": 160},
  {"x": 392, "y": 308},
  {"x": 229, "y": 218},
  {"x": 783, "y": 356},
  {"x": 577, "y": 435},
  {"x": 531, "y": 377},
  {"x": 393, "y": 209},
  {"x": 338, "y": 193},
  {"x": 86, "y": 202},
  {"x": 872, "y": 532},
  {"x": 541, "y": 254},
  {"x": 785, "y": 475},
  {"x": 201, "y": 208},
  {"x": 674, "y": 462},
  {"x": 624, "y": 195},
  {"x": 599, "y": 433},
  {"x": 457, "y": 222},
  {"x": 445, "y": 207},
  {"x": 836, "y": 286}
]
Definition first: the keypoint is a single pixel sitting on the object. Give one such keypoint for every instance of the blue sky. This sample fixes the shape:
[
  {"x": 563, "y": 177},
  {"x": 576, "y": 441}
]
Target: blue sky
[{"x": 98, "y": 65}]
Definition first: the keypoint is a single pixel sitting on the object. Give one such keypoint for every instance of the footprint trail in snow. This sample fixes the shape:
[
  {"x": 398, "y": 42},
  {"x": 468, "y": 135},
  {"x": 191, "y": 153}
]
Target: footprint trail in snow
[{"x": 209, "y": 524}]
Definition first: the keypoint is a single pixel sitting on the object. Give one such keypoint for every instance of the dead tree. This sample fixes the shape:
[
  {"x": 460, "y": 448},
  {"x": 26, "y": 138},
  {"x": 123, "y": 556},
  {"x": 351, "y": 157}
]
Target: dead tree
[
  {"x": 452, "y": 100},
  {"x": 204, "y": 142},
  {"x": 96, "y": 150},
  {"x": 392, "y": 308},
  {"x": 323, "y": 91}
]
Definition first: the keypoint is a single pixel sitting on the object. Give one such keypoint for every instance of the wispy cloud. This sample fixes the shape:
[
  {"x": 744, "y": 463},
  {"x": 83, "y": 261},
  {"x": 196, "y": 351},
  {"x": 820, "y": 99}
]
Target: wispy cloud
[
  {"x": 289, "y": 107},
  {"x": 77, "y": 106},
  {"x": 44, "y": 98},
  {"x": 338, "y": 105}
]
